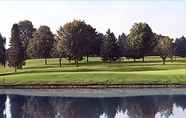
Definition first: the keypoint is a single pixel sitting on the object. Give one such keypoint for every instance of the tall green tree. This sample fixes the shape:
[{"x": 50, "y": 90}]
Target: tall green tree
[
  {"x": 41, "y": 43},
  {"x": 26, "y": 30},
  {"x": 164, "y": 47},
  {"x": 2, "y": 50},
  {"x": 73, "y": 37},
  {"x": 54, "y": 53},
  {"x": 110, "y": 49},
  {"x": 180, "y": 46},
  {"x": 90, "y": 41},
  {"x": 140, "y": 40},
  {"x": 123, "y": 46},
  {"x": 80, "y": 39},
  {"x": 98, "y": 43},
  {"x": 60, "y": 49},
  {"x": 15, "y": 54}
]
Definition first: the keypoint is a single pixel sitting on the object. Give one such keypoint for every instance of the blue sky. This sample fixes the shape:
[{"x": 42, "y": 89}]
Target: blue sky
[{"x": 165, "y": 17}]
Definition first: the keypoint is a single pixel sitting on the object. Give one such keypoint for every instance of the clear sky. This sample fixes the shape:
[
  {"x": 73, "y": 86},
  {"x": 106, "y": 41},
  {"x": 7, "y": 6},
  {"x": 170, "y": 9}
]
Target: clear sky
[{"x": 164, "y": 16}]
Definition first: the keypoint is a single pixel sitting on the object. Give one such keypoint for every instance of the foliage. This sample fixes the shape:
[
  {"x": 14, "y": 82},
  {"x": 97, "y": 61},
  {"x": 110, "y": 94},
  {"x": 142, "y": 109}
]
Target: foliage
[
  {"x": 122, "y": 43},
  {"x": 26, "y": 30},
  {"x": 164, "y": 47},
  {"x": 140, "y": 40},
  {"x": 41, "y": 44},
  {"x": 15, "y": 54},
  {"x": 180, "y": 47},
  {"x": 2, "y": 50},
  {"x": 98, "y": 44},
  {"x": 90, "y": 40},
  {"x": 54, "y": 53},
  {"x": 60, "y": 49},
  {"x": 78, "y": 39},
  {"x": 110, "y": 49}
]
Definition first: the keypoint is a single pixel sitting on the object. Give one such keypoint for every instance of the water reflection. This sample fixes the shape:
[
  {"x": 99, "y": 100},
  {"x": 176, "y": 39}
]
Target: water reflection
[
  {"x": 64, "y": 107},
  {"x": 2, "y": 105}
]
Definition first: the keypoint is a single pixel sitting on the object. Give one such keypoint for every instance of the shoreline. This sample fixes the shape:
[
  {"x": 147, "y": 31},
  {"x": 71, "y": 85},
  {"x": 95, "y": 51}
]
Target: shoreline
[{"x": 136, "y": 86}]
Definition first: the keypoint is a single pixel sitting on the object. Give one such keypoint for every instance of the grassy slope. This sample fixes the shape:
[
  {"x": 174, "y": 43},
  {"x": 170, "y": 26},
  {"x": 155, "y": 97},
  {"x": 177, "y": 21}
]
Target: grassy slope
[{"x": 96, "y": 72}]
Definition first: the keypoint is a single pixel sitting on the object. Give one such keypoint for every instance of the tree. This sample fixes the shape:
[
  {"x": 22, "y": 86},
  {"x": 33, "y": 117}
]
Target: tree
[
  {"x": 41, "y": 43},
  {"x": 2, "y": 50},
  {"x": 180, "y": 46},
  {"x": 122, "y": 43},
  {"x": 73, "y": 36},
  {"x": 83, "y": 38},
  {"x": 110, "y": 49},
  {"x": 141, "y": 40},
  {"x": 54, "y": 53},
  {"x": 164, "y": 47},
  {"x": 15, "y": 54},
  {"x": 90, "y": 41},
  {"x": 26, "y": 30},
  {"x": 98, "y": 43},
  {"x": 60, "y": 49}
]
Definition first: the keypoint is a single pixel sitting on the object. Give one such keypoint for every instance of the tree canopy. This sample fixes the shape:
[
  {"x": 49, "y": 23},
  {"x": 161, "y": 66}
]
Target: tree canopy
[
  {"x": 180, "y": 46},
  {"x": 164, "y": 47},
  {"x": 2, "y": 50},
  {"x": 41, "y": 43},
  {"x": 16, "y": 55},
  {"x": 140, "y": 40},
  {"x": 110, "y": 48},
  {"x": 122, "y": 43},
  {"x": 78, "y": 38},
  {"x": 26, "y": 30}
]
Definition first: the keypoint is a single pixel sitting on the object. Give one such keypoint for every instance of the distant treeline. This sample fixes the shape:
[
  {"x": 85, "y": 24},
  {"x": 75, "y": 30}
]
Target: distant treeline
[{"x": 76, "y": 40}]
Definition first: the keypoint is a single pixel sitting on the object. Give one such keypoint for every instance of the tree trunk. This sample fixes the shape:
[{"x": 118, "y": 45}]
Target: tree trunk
[
  {"x": 175, "y": 57},
  {"x": 163, "y": 61},
  {"x": 143, "y": 59},
  {"x": 4, "y": 64},
  {"x": 87, "y": 58},
  {"x": 60, "y": 64},
  {"x": 15, "y": 69},
  {"x": 76, "y": 62},
  {"x": 134, "y": 59},
  {"x": 20, "y": 66},
  {"x": 172, "y": 59},
  {"x": 45, "y": 61}
]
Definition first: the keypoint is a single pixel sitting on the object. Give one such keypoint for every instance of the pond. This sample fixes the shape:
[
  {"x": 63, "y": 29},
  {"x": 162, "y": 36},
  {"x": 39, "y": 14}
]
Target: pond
[{"x": 93, "y": 103}]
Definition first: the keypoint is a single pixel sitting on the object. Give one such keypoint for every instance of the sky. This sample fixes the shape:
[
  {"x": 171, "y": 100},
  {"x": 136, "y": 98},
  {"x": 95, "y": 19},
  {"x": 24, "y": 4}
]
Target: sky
[{"x": 166, "y": 17}]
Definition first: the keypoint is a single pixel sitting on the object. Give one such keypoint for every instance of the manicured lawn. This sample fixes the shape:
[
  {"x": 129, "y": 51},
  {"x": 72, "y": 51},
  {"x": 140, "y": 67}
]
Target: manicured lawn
[{"x": 96, "y": 72}]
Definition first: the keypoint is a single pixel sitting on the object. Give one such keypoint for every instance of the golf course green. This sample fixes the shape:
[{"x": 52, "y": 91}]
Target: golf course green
[{"x": 95, "y": 72}]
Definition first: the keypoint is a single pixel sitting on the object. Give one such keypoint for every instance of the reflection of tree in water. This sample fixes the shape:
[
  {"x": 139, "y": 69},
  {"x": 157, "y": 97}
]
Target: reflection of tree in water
[
  {"x": 58, "y": 107},
  {"x": 52, "y": 107},
  {"x": 17, "y": 103},
  {"x": 147, "y": 107},
  {"x": 78, "y": 108},
  {"x": 30, "y": 107},
  {"x": 165, "y": 105},
  {"x": 180, "y": 101},
  {"x": 88, "y": 107},
  {"x": 112, "y": 105},
  {"x": 38, "y": 107},
  {"x": 141, "y": 107},
  {"x": 2, "y": 105}
]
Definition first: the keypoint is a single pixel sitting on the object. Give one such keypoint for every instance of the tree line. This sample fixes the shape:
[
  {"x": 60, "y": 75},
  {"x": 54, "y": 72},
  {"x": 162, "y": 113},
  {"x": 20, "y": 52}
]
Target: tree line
[{"x": 77, "y": 40}]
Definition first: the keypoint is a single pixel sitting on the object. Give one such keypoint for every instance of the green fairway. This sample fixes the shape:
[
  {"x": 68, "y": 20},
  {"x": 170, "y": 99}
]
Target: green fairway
[{"x": 96, "y": 72}]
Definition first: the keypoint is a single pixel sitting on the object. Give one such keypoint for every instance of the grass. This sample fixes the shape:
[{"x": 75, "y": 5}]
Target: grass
[{"x": 96, "y": 72}]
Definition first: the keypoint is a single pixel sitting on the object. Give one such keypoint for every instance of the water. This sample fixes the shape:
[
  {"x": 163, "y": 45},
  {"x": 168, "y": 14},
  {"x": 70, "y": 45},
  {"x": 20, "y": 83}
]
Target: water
[{"x": 93, "y": 103}]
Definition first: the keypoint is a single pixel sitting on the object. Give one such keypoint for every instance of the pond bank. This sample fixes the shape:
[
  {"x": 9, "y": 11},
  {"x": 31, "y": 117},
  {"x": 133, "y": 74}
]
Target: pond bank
[{"x": 88, "y": 92}]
